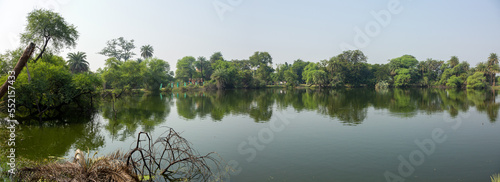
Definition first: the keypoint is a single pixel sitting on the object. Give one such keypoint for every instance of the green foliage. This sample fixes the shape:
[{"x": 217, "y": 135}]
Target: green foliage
[
  {"x": 221, "y": 77},
  {"x": 86, "y": 82},
  {"x": 156, "y": 73},
  {"x": 216, "y": 57},
  {"x": 120, "y": 75},
  {"x": 298, "y": 67},
  {"x": 52, "y": 86},
  {"x": 46, "y": 26},
  {"x": 453, "y": 61},
  {"x": 203, "y": 68},
  {"x": 224, "y": 74},
  {"x": 185, "y": 68},
  {"x": 454, "y": 82},
  {"x": 291, "y": 78},
  {"x": 77, "y": 62},
  {"x": 119, "y": 48},
  {"x": 476, "y": 81},
  {"x": 9, "y": 60},
  {"x": 405, "y": 61},
  {"x": 264, "y": 73},
  {"x": 147, "y": 51},
  {"x": 349, "y": 67},
  {"x": 260, "y": 58},
  {"x": 402, "y": 77},
  {"x": 314, "y": 75},
  {"x": 244, "y": 79},
  {"x": 382, "y": 85}
]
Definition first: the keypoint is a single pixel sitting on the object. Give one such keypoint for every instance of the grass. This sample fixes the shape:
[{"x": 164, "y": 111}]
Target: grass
[
  {"x": 108, "y": 168},
  {"x": 495, "y": 178}
]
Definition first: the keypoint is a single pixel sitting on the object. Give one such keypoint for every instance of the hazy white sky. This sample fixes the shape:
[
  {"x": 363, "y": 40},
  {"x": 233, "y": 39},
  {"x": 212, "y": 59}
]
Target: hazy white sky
[{"x": 288, "y": 30}]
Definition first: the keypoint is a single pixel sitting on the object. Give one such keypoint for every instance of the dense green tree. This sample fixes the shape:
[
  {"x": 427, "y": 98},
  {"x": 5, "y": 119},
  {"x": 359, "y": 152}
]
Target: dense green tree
[
  {"x": 263, "y": 73},
  {"x": 185, "y": 68},
  {"x": 225, "y": 74},
  {"x": 402, "y": 78},
  {"x": 476, "y": 81},
  {"x": 260, "y": 58},
  {"x": 454, "y": 82},
  {"x": 404, "y": 70},
  {"x": 405, "y": 61},
  {"x": 119, "y": 48},
  {"x": 203, "y": 67},
  {"x": 380, "y": 72},
  {"x": 157, "y": 73},
  {"x": 298, "y": 67},
  {"x": 147, "y": 51},
  {"x": 53, "y": 89},
  {"x": 46, "y": 25},
  {"x": 291, "y": 78},
  {"x": 77, "y": 62},
  {"x": 215, "y": 57},
  {"x": 453, "y": 61},
  {"x": 315, "y": 75},
  {"x": 244, "y": 79},
  {"x": 221, "y": 77},
  {"x": 349, "y": 67}
]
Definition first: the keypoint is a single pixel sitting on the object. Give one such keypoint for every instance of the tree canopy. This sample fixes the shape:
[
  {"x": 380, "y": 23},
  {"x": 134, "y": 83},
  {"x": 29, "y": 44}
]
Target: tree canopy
[
  {"x": 46, "y": 25},
  {"x": 119, "y": 48}
]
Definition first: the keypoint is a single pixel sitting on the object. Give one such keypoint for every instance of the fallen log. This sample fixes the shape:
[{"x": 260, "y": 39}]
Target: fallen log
[{"x": 19, "y": 67}]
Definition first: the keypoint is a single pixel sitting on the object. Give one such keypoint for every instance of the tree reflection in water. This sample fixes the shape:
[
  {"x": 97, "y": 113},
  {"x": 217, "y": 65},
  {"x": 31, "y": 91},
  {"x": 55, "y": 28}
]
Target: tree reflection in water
[{"x": 349, "y": 106}]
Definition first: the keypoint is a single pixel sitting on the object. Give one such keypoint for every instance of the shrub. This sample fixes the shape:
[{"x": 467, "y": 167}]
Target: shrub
[
  {"x": 381, "y": 85},
  {"x": 476, "y": 81}
]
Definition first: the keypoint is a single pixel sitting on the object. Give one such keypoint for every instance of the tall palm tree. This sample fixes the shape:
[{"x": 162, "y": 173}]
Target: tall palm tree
[
  {"x": 453, "y": 61},
  {"x": 481, "y": 67},
  {"x": 493, "y": 59},
  {"x": 77, "y": 62},
  {"x": 147, "y": 51},
  {"x": 493, "y": 67}
]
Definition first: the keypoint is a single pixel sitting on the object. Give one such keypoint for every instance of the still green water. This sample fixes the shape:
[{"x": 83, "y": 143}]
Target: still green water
[{"x": 301, "y": 135}]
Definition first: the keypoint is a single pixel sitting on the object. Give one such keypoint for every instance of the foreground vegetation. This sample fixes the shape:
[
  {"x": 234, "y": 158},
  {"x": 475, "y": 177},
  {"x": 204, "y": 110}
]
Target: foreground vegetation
[{"x": 170, "y": 158}]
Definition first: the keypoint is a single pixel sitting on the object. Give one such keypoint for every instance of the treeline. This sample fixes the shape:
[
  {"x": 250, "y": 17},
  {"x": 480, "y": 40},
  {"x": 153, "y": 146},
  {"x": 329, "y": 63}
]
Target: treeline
[{"x": 348, "y": 69}]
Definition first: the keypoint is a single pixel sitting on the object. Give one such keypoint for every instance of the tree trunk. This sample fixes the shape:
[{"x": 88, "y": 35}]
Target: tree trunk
[
  {"x": 493, "y": 77},
  {"x": 19, "y": 67},
  {"x": 43, "y": 50}
]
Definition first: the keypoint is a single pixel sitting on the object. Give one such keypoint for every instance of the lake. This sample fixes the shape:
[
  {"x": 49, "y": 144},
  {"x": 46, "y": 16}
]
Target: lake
[{"x": 300, "y": 135}]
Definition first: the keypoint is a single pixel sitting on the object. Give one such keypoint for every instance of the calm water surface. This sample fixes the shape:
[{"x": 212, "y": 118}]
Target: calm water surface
[{"x": 302, "y": 135}]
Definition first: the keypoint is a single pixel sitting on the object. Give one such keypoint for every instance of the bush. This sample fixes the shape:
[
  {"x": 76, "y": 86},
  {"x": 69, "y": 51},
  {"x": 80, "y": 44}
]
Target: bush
[
  {"x": 454, "y": 82},
  {"x": 476, "y": 81},
  {"x": 382, "y": 85},
  {"x": 210, "y": 85}
]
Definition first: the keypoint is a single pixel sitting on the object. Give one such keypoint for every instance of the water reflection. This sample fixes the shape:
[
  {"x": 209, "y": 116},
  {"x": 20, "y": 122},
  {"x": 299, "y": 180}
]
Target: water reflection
[
  {"x": 349, "y": 106},
  {"x": 39, "y": 142},
  {"x": 130, "y": 112}
]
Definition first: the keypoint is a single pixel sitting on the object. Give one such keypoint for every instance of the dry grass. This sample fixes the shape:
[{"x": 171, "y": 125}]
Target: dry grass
[{"x": 109, "y": 168}]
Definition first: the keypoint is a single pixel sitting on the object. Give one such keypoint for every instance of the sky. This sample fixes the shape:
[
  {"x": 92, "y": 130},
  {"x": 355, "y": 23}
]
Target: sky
[{"x": 289, "y": 30}]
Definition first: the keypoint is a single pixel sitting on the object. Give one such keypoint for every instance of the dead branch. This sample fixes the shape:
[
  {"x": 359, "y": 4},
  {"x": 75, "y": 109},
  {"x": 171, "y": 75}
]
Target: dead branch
[
  {"x": 172, "y": 158},
  {"x": 19, "y": 67}
]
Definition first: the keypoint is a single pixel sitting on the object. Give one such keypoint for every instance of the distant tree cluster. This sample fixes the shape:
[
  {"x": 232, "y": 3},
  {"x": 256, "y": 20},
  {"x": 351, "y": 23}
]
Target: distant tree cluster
[{"x": 350, "y": 68}]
